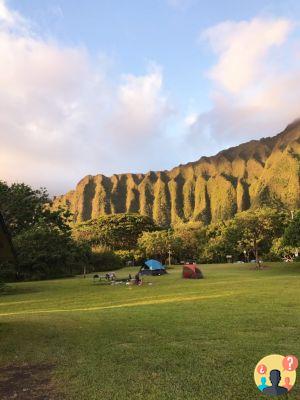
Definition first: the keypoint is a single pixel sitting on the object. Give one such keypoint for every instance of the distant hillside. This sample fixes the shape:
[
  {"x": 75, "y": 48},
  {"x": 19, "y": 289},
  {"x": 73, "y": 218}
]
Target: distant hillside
[{"x": 259, "y": 172}]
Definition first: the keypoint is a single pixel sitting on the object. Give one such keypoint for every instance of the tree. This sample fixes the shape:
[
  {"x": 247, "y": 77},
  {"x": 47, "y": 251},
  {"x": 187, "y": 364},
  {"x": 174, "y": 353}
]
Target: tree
[
  {"x": 23, "y": 207},
  {"x": 118, "y": 231},
  {"x": 44, "y": 252},
  {"x": 291, "y": 235},
  {"x": 254, "y": 230},
  {"x": 218, "y": 242},
  {"x": 158, "y": 244},
  {"x": 280, "y": 251},
  {"x": 193, "y": 237},
  {"x": 41, "y": 236}
]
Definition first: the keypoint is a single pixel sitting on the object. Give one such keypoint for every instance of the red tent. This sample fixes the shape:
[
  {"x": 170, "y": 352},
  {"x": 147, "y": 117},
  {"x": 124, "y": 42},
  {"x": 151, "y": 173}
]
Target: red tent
[{"x": 190, "y": 271}]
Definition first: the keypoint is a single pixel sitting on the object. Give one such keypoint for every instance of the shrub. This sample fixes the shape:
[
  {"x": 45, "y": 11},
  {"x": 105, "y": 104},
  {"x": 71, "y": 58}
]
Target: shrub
[
  {"x": 103, "y": 259},
  {"x": 271, "y": 257},
  {"x": 45, "y": 252},
  {"x": 7, "y": 271},
  {"x": 125, "y": 255}
]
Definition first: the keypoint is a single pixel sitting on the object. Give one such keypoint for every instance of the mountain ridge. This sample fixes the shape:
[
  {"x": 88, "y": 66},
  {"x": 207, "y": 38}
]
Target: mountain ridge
[{"x": 208, "y": 189}]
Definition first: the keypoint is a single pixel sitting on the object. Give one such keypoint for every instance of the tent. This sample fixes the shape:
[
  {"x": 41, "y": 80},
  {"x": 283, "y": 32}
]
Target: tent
[
  {"x": 6, "y": 248},
  {"x": 190, "y": 271},
  {"x": 153, "y": 267}
]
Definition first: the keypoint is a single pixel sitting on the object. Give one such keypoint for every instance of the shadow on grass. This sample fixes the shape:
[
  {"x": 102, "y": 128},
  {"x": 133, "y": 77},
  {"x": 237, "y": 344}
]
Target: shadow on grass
[
  {"x": 17, "y": 290},
  {"x": 27, "y": 382},
  {"x": 275, "y": 269}
]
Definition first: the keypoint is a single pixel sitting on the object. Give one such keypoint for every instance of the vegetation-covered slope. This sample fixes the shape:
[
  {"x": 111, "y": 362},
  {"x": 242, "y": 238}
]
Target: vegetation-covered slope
[{"x": 259, "y": 172}]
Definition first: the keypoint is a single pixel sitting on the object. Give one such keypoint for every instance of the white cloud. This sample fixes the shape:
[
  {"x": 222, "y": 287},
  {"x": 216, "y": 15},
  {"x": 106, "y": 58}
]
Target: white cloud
[
  {"x": 255, "y": 91},
  {"x": 62, "y": 116},
  {"x": 191, "y": 119},
  {"x": 12, "y": 20},
  {"x": 242, "y": 48},
  {"x": 140, "y": 106},
  {"x": 7, "y": 17}
]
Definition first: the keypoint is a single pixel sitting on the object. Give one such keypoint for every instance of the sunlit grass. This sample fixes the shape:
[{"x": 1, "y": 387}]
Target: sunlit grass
[{"x": 174, "y": 339}]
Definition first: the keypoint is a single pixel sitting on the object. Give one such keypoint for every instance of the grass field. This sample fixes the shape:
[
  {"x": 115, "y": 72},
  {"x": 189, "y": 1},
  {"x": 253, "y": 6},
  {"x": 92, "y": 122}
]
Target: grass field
[{"x": 174, "y": 339}]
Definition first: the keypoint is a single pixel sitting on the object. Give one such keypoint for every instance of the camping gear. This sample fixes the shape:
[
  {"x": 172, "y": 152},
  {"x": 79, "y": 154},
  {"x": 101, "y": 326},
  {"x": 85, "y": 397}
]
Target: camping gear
[
  {"x": 153, "y": 267},
  {"x": 191, "y": 271}
]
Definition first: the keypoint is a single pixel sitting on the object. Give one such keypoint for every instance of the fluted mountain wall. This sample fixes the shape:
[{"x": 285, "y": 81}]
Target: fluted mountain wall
[{"x": 259, "y": 172}]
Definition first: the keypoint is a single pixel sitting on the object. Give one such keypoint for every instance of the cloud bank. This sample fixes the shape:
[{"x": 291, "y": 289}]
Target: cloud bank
[
  {"x": 255, "y": 82},
  {"x": 62, "y": 117}
]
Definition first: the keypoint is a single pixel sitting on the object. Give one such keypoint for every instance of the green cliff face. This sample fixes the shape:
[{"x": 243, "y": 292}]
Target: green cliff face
[{"x": 250, "y": 175}]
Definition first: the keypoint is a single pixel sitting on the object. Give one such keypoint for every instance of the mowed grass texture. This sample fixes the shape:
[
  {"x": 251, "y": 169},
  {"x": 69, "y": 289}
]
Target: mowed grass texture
[{"x": 174, "y": 339}]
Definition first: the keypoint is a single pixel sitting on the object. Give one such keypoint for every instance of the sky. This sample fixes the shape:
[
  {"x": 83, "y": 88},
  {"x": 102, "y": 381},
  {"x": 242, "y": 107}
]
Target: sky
[{"x": 116, "y": 86}]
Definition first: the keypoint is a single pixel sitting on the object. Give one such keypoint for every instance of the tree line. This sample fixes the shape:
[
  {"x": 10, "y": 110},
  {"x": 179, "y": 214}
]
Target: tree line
[
  {"x": 48, "y": 244},
  {"x": 267, "y": 233}
]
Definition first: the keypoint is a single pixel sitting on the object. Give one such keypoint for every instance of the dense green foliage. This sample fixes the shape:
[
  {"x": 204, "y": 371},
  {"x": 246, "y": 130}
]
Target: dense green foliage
[
  {"x": 48, "y": 245},
  {"x": 249, "y": 235},
  {"x": 23, "y": 207},
  {"x": 118, "y": 232},
  {"x": 47, "y": 252},
  {"x": 292, "y": 234},
  {"x": 192, "y": 237},
  {"x": 158, "y": 244},
  {"x": 253, "y": 234},
  {"x": 175, "y": 339},
  {"x": 130, "y": 257},
  {"x": 41, "y": 236},
  {"x": 103, "y": 259}
]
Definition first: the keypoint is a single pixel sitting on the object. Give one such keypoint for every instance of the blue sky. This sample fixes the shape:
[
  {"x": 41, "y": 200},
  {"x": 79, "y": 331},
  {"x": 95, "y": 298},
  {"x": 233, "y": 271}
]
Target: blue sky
[
  {"x": 134, "y": 32},
  {"x": 117, "y": 86}
]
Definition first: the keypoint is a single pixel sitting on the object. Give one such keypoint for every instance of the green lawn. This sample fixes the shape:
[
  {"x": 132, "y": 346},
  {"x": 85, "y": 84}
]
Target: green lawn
[{"x": 174, "y": 339}]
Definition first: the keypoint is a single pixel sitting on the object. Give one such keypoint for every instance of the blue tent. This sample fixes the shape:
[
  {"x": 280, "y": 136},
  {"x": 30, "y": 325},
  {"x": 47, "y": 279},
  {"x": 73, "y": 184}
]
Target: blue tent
[
  {"x": 153, "y": 267},
  {"x": 154, "y": 264}
]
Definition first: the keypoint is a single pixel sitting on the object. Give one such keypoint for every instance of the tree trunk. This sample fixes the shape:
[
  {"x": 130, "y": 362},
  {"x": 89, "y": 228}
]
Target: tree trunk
[{"x": 256, "y": 255}]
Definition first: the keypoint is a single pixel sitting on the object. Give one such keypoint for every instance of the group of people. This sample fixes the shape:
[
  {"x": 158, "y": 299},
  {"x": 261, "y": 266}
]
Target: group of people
[
  {"x": 137, "y": 279},
  {"x": 110, "y": 276}
]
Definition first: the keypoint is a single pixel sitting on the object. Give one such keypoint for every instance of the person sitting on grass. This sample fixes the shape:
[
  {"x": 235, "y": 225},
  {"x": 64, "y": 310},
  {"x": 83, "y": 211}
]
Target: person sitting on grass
[
  {"x": 138, "y": 280},
  {"x": 113, "y": 276}
]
